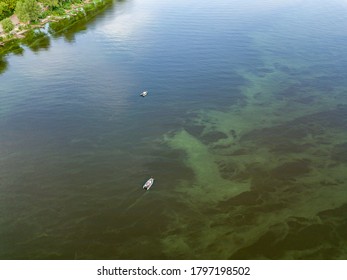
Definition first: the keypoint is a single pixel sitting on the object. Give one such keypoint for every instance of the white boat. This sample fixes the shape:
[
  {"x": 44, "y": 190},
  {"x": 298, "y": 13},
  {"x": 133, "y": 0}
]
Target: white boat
[
  {"x": 148, "y": 184},
  {"x": 143, "y": 94}
]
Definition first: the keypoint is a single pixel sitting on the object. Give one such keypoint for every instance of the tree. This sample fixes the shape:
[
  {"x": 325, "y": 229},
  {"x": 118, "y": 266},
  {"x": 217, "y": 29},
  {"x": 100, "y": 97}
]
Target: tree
[
  {"x": 11, "y": 4},
  {"x": 7, "y": 8},
  {"x": 3, "y": 7},
  {"x": 7, "y": 25},
  {"x": 3, "y": 10},
  {"x": 27, "y": 10},
  {"x": 51, "y": 3}
]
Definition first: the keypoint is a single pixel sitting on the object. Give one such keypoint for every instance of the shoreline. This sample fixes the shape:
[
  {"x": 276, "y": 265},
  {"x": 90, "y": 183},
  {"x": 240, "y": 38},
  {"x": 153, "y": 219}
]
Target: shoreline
[{"x": 75, "y": 11}]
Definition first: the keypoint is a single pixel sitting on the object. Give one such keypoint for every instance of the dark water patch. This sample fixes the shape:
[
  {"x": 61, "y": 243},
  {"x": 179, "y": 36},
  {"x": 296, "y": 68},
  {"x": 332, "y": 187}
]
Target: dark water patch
[
  {"x": 294, "y": 131},
  {"x": 341, "y": 229},
  {"x": 323, "y": 254},
  {"x": 293, "y": 91},
  {"x": 228, "y": 169},
  {"x": 146, "y": 251},
  {"x": 239, "y": 100},
  {"x": 16, "y": 232},
  {"x": 339, "y": 153},
  {"x": 273, "y": 245},
  {"x": 299, "y": 93},
  {"x": 111, "y": 233},
  {"x": 290, "y": 170},
  {"x": 262, "y": 249},
  {"x": 262, "y": 181},
  {"x": 195, "y": 130},
  {"x": 240, "y": 152},
  {"x": 233, "y": 133},
  {"x": 149, "y": 224},
  {"x": 276, "y": 135},
  {"x": 334, "y": 118},
  {"x": 284, "y": 68},
  {"x": 328, "y": 182},
  {"x": 267, "y": 183},
  {"x": 213, "y": 136},
  {"x": 210, "y": 210},
  {"x": 237, "y": 80},
  {"x": 306, "y": 100},
  {"x": 289, "y": 147},
  {"x": 270, "y": 207},
  {"x": 338, "y": 218},
  {"x": 167, "y": 166},
  {"x": 296, "y": 223},
  {"x": 259, "y": 96},
  {"x": 327, "y": 82},
  {"x": 308, "y": 237},
  {"x": 242, "y": 218},
  {"x": 340, "y": 212},
  {"x": 222, "y": 146}
]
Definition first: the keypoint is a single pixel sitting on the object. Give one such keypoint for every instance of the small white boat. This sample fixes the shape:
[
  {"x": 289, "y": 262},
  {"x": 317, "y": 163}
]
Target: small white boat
[
  {"x": 148, "y": 184},
  {"x": 143, "y": 94}
]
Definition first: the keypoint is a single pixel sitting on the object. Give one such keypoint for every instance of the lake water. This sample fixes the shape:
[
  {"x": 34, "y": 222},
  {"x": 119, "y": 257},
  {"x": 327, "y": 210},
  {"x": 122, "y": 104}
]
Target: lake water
[{"x": 244, "y": 130}]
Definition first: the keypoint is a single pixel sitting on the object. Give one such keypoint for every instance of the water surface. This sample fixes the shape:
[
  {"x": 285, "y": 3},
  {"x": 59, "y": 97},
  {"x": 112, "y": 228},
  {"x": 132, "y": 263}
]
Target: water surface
[{"x": 244, "y": 130}]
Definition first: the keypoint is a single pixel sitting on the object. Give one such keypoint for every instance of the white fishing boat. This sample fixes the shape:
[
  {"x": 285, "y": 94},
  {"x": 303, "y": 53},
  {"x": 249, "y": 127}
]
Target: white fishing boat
[
  {"x": 148, "y": 184},
  {"x": 143, "y": 94}
]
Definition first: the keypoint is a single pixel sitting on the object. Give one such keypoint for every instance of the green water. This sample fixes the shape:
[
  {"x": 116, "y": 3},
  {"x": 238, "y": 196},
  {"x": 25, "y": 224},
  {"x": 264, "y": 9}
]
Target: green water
[{"x": 244, "y": 130}]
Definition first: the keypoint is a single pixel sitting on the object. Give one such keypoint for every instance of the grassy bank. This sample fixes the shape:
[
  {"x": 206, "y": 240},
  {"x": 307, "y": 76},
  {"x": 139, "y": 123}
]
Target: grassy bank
[{"x": 58, "y": 19}]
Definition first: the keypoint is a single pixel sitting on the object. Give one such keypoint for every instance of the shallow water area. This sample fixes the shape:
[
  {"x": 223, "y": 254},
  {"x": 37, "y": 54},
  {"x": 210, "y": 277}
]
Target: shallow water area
[{"x": 244, "y": 130}]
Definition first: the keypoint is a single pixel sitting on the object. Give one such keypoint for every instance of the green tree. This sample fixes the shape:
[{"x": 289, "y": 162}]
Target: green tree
[
  {"x": 11, "y": 4},
  {"x": 6, "y": 8},
  {"x": 3, "y": 10},
  {"x": 3, "y": 7},
  {"x": 7, "y": 25},
  {"x": 28, "y": 10},
  {"x": 51, "y": 3}
]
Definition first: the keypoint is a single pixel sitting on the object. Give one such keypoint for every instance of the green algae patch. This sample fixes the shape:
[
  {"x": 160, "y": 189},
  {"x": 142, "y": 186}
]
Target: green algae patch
[
  {"x": 209, "y": 185},
  {"x": 263, "y": 173},
  {"x": 198, "y": 158}
]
